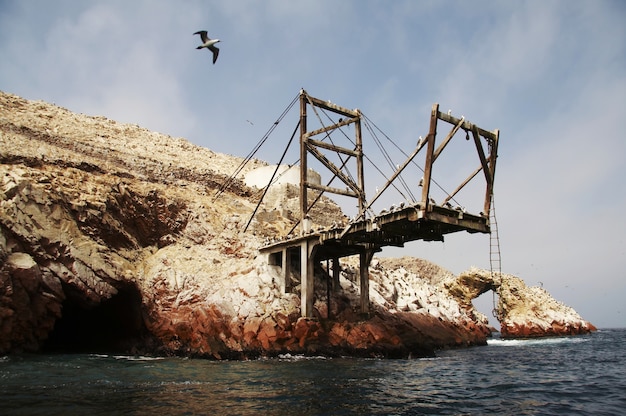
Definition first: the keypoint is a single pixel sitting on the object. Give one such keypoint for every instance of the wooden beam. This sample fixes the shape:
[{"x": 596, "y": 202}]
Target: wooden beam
[
  {"x": 466, "y": 125},
  {"x": 332, "y": 107},
  {"x": 465, "y": 182},
  {"x": 332, "y": 126},
  {"x": 493, "y": 156},
  {"x": 331, "y": 166},
  {"x": 359, "y": 165},
  {"x": 445, "y": 141},
  {"x": 396, "y": 174},
  {"x": 332, "y": 147},
  {"x": 286, "y": 260},
  {"x": 307, "y": 276},
  {"x": 336, "y": 274},
  {"x": 365, "y": 258},
  {"x": 428, "y": 164},
  {"x": 303, "y": 161},
  {"x": 332, "y": 190},
  {"x": 481, "y": 154}
]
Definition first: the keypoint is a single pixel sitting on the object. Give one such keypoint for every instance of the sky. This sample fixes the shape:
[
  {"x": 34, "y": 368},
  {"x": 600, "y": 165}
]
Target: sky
[{"x": 549, "y": 75}]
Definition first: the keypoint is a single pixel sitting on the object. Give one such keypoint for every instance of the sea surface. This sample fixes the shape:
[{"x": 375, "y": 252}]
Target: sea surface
[{"x": 582, "y": 375}]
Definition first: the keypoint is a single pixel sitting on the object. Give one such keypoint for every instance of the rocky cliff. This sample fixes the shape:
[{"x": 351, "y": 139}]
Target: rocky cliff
[
  {"x": 523, "y": 312},
  {"x": 111, "y": 238}
]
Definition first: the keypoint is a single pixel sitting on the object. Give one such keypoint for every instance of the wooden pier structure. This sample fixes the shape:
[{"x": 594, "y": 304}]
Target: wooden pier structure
[{"x": 366, "y": 234}]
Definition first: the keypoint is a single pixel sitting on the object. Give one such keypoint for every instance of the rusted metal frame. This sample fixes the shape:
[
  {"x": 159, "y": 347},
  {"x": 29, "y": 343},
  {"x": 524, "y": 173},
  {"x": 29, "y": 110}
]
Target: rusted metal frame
[
  {"x": 333, "y": 148},
  {"x": 331, "y": 166},
  {"x": 445, "y": 141},
  {"x": 462, "y": 185},
  {"x": 467, "y": 125},
  {"x": 333, "y": 127},
  {"x": 430, "y": 149}
]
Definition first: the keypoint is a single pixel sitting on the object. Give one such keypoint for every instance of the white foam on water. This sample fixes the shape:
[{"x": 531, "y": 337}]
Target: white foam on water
[{"x": 498, "y": 342}]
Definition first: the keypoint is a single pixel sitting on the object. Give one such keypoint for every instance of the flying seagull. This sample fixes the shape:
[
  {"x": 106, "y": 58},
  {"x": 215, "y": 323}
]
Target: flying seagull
[{"x": 208, "y": 43}]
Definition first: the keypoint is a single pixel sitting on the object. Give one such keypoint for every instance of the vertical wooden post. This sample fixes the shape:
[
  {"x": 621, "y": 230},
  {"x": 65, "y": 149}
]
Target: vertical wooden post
[
  {"x": 336, "y": 272},
  {"x": 307, "y": 282},
  {"x": 430, "y": 149},
  {"x": 286, "y": 283},
  {"x": 359, "y": 165},
  {"x": 493, "y": 156},
  {"x": 364, "y": 281},
  {"x": 304, "y": 204},
  {"x": 328, "y": 288}
]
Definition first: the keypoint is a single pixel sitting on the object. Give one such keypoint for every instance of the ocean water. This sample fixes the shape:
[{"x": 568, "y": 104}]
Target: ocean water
[{"x": 583, "y": 375}]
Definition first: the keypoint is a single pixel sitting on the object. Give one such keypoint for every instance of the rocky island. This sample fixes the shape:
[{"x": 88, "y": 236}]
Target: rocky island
[{"x": 111, "y": 239}]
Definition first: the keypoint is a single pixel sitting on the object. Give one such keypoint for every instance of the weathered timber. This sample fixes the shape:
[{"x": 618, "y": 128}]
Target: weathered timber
[{"x": 363, "y": 236}]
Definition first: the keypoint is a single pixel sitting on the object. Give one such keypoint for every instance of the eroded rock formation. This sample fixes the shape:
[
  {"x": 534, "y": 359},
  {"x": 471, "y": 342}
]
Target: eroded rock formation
[
  {"x": 523, "y": 312},
  {"x": 111, "y": 238}
]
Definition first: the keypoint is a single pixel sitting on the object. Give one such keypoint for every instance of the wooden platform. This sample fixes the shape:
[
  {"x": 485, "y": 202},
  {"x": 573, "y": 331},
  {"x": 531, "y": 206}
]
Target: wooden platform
[
  {"x": 367, "y": 234},
  {"x": 364, "y": 238},
  {"x": 391, "y": 228}
]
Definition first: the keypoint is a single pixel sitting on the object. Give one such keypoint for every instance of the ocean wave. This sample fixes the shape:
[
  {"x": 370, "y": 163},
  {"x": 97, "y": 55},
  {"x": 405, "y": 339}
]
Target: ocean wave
[
  {"x": 535, "y": 341},
  {"x": 127, "y": 357}
]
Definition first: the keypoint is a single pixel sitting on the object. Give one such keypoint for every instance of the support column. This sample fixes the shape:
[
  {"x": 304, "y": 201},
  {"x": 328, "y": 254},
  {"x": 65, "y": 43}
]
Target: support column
[
  {"x": 304, "y": 202},
  {"x": 428, "y": 164},
  {"x": 307, "y": 282},
  {"x": 364, "y": 281},
  {"x": 365, "y": 258},
  {"x": 336, "y": 272},
  {"x": 286, "y": 283}
]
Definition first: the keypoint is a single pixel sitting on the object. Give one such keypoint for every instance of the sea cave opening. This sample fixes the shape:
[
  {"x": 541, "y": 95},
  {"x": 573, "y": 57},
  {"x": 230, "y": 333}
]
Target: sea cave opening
[
  {"x": 484, "y": 303},
  {"x": 114, "y": 325}
]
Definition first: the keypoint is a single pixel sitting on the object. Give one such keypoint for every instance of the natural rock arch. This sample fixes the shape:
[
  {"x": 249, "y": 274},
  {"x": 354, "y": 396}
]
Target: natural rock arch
[{"x": 470, "y": 285}]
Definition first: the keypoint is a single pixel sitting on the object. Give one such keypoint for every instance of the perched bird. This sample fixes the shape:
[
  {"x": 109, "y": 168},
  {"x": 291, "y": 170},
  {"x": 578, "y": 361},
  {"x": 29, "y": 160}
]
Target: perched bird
[{"x": 208, "y": 43}]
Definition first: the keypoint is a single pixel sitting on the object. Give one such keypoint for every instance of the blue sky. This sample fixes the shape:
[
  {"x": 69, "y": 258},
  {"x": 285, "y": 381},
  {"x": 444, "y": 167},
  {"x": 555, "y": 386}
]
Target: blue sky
[{"x": 551, "y": 75}]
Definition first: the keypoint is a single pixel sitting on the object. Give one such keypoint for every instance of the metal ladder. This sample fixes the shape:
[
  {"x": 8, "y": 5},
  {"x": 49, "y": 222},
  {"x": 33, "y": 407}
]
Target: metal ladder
[{"x": 495, "y": 260}]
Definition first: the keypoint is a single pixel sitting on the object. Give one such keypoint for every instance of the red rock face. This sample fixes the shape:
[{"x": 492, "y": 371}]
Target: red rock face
[
  {"x": 210, "y": 334},
  {"x": 30, "y": 303},
  {"x": 533, "y": 330}
]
